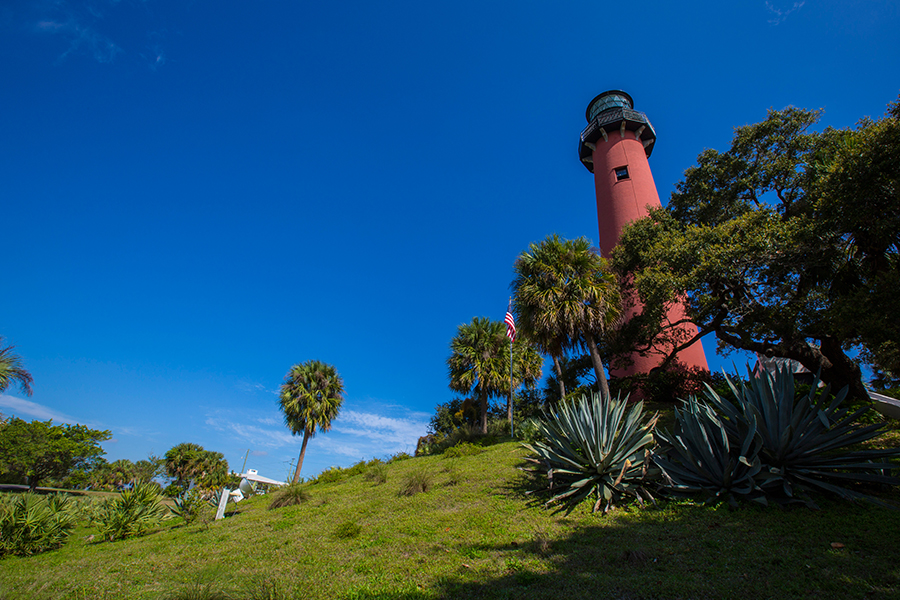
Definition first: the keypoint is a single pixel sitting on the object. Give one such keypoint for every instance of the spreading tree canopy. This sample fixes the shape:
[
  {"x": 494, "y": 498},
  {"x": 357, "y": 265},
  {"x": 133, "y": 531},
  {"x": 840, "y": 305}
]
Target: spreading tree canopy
[
  {"x": 39, "y": 450},
  {"x": 785, "y": 245}
]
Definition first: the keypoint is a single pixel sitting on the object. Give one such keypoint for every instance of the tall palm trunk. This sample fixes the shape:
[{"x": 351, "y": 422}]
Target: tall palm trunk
[
  {"x": 483, "y": 400},
  {"x": 602, "y": 384},
  {"x": 302, "y": 454},
  {"x": 559, "y": 377}
]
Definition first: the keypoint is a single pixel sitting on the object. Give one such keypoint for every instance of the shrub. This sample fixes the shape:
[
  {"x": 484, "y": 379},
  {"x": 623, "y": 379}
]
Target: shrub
[
  {"x": 598, "y": 448},
  {"x": 800, "y": 441},
  {"x": 529, "y": 431},
  {"x": 462, "y": 449},
  {"x": 132, "y": 513},
  {"x": 399, "y": 456},
  {"x": 670, "y": 385},
  {"x": 498, "y": 429},
  {"x": 289, "y": 495},
  {"x": 189, "y": 505},
  {"x": 330, "y": 475},
  {"x": 357, "y": 469},
  {"x": 377, "y": 473},
  {"x": 30, "y": 524},
  {"x": 347, "y": 530},
  {"x": 173, "y": 490},
  {"x": 417, "y": 481}
]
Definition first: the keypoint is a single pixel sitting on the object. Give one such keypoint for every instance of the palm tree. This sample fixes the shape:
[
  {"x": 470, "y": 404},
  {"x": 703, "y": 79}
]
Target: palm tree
[
  {"x": 188, "y": 462},
  {"x": 310, "y": 398},
  {"x": 12, "y": 371},
  {"x": 564, "y": 297},
  {"x": 479, "y": 362}
]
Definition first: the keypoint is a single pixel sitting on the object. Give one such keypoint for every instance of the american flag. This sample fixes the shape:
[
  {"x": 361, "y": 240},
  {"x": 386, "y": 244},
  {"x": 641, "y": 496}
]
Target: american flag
[{"x": 510, "y": 323}]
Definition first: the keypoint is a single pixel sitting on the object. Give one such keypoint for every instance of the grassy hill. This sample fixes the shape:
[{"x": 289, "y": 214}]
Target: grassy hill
[{"x": 475, "y": 534}]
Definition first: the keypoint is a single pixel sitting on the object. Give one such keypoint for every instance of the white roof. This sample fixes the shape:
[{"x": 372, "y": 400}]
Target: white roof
[{"x": 252, "y": 475}]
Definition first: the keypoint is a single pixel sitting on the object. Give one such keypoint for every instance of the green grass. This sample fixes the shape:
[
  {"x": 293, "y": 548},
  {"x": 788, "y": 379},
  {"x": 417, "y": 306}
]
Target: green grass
[{"x": 476, "y": 534}]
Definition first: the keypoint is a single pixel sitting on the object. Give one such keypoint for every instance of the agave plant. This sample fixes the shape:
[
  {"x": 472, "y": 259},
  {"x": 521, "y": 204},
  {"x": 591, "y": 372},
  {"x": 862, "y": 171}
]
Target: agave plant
[
  {"x": 596, "y": 448},
  {"x": 800, "y": 444},
  {"x": 698, "y": 458},
  {"x": 805, "y": 438},
  {"x": 188, "y": 505}
]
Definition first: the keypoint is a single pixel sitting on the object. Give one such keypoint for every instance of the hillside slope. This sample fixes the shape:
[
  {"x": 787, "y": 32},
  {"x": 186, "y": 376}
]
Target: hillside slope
[{"x": 475, "y": 534}]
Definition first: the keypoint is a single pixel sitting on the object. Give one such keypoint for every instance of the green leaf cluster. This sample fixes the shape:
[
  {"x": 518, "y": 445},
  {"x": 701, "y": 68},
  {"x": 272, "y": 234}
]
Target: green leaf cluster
[
  {"x": 34, "y": 451},
  {"x": 188, "y": 463},
  {"x": 787, "y": 245},
  {"x": 189, "y": 505},
  {"x": 596, "y": 448},
  {"x": 310, "y": 398},
  {"x": 480, "y": 363},
  {"x": 130, "y": 514},
  {"x": 30, "y": 524},
  {"x": 770, "y": 444}
]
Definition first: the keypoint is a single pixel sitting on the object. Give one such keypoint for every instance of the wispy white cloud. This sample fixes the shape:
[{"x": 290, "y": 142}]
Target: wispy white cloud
[
  {"x": 80, "y": 37},
  {"x": 779, "y": 15},
  {"x": 253, "y": 386},
  {"x": 18, "y": 407},
  {"x": 258, "y": 436},
  {"x": 355, "y": 434},
  {"x": 404, "y": 431}
]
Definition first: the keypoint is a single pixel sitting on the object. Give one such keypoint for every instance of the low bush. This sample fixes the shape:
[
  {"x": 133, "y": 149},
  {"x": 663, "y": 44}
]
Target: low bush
[
  {"x": 498, "y": 430},
  {"x": 528, "y": 431},
  {"x": 30, "y": 524},
  {"x": 399, "y": 456},
  {"x": 130, "y": 514},
  {"x": 377, "y": 473},
  {"x": 357, "y": 469},
  {"x": 189, "y": 506},
  {"x": 462, "y": 449},
  {"x": 330, "y": 475},
  {"x": 416, "y": 481},
  {"x": 347, "y": 530},
  {"x": 289, "y": 495}
]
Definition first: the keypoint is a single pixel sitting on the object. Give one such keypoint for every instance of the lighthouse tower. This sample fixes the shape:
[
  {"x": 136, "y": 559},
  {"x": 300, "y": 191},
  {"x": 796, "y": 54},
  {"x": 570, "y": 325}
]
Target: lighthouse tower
[{"x": 615, "y": 147}]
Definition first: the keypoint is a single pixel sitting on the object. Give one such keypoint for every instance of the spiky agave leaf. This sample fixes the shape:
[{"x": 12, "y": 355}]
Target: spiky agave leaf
[
  {"x": 595, "y": 447},
  {"x": 700, "y": 457},
  {"x": 805, "y": 439}
]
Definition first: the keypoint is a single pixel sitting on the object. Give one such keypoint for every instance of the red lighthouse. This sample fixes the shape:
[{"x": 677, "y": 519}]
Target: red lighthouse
[{"x": 615, "y": 147}]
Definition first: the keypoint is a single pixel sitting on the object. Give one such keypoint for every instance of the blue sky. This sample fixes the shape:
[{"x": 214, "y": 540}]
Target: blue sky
[{"x": 197, "y": 195}]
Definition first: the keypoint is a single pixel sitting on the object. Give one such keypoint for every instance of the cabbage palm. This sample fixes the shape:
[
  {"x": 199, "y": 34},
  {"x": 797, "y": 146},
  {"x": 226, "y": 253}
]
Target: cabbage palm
[
  {"x": 564, "y": 297},
  {"x": 479, "y": 362},
  {"x": 310, "y": 398},
  {"x": 12, "y": 371},
  {"x": 189, "y": 462}
]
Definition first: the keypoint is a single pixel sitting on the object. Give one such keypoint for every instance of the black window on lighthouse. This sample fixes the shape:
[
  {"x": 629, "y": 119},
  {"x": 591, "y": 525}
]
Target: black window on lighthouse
[{"x": 621, "y": 173}]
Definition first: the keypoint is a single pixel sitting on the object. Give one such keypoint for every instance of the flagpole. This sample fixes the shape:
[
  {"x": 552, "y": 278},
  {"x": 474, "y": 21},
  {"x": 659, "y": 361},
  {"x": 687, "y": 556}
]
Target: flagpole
[
  {"x": 511, "y": 340},
  {"x": 511, "y": 408}
]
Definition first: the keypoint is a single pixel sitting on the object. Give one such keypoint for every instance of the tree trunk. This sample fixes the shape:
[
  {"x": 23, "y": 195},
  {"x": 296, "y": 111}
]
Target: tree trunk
[
  {"x": 302, "y": 454},
  {"x": 559, "y": 377},
  {"x": 483, "y": 400},
  {"x": 602, "y": 384}
]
